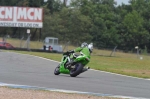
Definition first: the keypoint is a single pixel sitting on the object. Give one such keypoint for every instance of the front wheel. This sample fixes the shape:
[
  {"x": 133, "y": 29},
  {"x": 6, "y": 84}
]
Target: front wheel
[
  {"x": 56, "y": 71},
  {"x": 77, "y": 70}
]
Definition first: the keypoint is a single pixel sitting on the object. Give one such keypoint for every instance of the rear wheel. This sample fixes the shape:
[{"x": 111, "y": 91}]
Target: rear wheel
[
  {"x": 75, "y": 72},
  {"x": 56, "y": 71}
]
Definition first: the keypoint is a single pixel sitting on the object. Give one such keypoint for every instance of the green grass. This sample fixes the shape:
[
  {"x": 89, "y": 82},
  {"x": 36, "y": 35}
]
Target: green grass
[
  {"x": 130, "y": 65},
  {"x": 126, "y": 66}
]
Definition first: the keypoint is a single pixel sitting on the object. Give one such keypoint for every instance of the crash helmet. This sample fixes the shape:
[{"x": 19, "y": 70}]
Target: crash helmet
[
  {"x": 84, "y": 44},
  {"x": 90, "y": 47}
]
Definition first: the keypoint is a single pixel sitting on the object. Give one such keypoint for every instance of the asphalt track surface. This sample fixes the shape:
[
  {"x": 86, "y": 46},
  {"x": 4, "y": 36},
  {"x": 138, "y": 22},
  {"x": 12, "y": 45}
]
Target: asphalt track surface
[{"x": 33, "y": 71}]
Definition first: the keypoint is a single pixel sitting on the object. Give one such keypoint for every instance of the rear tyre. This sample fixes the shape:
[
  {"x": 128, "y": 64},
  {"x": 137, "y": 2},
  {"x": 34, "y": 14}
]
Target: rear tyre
[
  {"x": 75, "y": 72},
  {"x": 56, "y": 71}
]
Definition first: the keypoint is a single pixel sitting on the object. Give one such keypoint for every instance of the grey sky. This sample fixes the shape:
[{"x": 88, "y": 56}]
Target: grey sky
[
  {"x": 118, "y": 1},
  {"x": 122, "y": 1}
]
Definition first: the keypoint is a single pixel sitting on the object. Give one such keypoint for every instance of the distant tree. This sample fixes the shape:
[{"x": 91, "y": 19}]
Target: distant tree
[
  {"x": 54, "y": 5},
  {"x": 35, "y": 3},
  {"x": 135, "y": 33}
]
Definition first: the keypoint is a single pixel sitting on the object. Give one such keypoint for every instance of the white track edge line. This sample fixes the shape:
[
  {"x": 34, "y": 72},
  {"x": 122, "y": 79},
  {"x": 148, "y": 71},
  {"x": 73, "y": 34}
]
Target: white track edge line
[
  {"x": 70, "y": 91},
  {"x": 90, "y": 69},
  {"x": 65, "y": 91}
]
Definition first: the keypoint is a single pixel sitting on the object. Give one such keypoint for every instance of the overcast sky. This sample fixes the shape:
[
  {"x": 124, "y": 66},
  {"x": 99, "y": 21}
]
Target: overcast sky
[
  {"x": 122, "y": 1},
  {"x": 118, "y": 1}
]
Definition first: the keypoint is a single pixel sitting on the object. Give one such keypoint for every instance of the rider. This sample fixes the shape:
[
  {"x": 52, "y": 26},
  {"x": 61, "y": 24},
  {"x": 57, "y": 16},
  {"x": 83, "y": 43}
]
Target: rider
[{"x": 85, "y": 49}]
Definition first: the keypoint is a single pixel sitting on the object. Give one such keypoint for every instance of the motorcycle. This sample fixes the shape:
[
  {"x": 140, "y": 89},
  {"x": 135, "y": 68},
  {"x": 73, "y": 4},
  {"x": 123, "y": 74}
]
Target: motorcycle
[{"x": 74, "y": 70}]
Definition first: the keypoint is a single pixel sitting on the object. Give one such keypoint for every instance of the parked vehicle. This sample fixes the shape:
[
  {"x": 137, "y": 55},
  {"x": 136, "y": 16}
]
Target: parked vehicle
[
  {"x": 51, "y": 44},
  {"x": 5, "y": 45}
]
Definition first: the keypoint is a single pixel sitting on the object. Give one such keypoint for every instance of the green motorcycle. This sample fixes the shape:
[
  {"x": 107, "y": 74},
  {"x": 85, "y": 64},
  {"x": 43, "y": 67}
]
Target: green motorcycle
[{"x": 75, "y": 69}]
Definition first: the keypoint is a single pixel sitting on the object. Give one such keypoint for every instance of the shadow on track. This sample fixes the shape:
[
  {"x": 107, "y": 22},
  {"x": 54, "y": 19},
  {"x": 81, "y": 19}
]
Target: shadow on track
[{"x": 63, "y": 75}]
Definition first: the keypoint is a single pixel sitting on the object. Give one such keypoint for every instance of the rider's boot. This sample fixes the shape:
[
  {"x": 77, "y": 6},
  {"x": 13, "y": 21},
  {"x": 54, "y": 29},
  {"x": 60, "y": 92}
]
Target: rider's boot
[{"x": 85, "y": 69}]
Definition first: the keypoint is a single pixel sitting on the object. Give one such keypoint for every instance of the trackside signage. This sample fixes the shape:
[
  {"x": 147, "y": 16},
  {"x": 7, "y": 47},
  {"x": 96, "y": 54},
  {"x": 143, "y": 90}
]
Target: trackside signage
[{"x": 21, "y": 17}]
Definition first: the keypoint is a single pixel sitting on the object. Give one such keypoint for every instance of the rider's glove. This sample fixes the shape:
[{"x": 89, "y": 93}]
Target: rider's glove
[
  {"x": 68, "y": 52},
  {"x": 71, "y": 51}
]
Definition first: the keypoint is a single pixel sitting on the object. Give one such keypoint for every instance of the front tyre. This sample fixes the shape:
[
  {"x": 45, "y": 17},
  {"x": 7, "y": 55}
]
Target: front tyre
[
  {"x": 75, "y": 72},
  {"x": 56, "y": 71}
]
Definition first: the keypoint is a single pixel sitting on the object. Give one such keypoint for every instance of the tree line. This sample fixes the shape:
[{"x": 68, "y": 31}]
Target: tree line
[{"x": 102, "y": 22}]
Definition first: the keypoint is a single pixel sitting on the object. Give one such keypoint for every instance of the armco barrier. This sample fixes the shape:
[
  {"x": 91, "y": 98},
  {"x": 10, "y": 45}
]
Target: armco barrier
[{"x": 32, "y": 50}]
